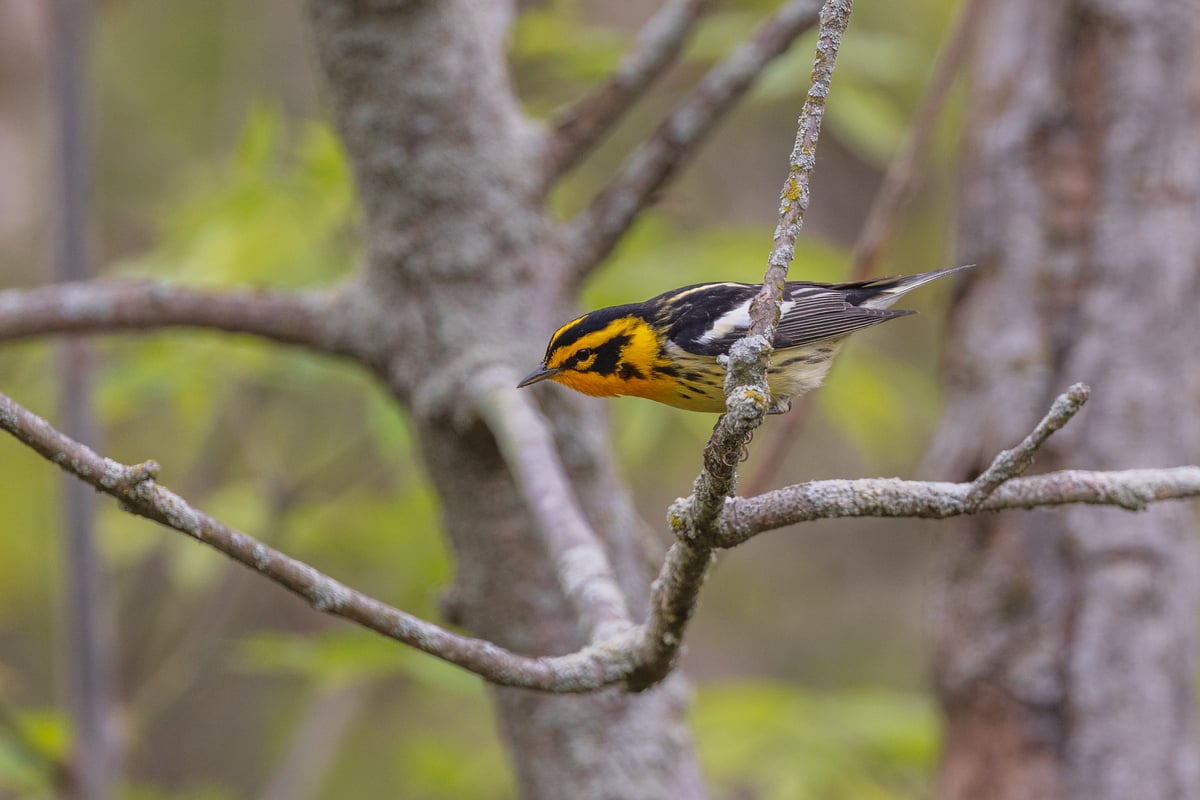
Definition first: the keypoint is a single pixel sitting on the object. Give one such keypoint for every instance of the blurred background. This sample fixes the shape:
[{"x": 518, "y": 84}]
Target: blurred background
[{"x": 213, "y": 164}]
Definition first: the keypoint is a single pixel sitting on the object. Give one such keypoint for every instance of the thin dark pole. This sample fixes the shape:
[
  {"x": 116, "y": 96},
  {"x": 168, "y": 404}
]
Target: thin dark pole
[{"x": 88, "y": 672}]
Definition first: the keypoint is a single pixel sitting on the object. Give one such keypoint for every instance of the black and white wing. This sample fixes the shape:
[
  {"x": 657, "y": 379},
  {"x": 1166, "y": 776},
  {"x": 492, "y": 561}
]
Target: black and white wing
[
  {"x": 709, "y": 318},
  {"x": 809, "y": 313},
  {"x": 812, "y": 314}
]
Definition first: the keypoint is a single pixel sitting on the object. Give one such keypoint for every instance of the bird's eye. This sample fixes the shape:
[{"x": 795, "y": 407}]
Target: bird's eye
[{"x": 583, "y": 355}]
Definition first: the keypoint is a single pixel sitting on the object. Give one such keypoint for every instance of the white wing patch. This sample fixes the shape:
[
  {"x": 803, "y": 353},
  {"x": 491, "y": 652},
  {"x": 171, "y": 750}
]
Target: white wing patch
[{"x": 736, "y": 321}]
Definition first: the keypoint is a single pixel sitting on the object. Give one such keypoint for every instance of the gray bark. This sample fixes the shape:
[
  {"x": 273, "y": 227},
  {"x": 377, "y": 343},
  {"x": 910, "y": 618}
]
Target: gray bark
[
  {"x": 1064, "y": 644},
  {"x": 461, "y": 263}
]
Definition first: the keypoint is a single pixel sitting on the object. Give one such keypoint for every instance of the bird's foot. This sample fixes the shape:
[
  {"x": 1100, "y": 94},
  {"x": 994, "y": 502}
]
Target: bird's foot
[{"x": 780, "y": 405}]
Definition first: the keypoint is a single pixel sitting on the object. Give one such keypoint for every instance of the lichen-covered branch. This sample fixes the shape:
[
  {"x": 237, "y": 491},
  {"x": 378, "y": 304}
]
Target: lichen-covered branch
[
  {"x": 894, "y": 189},
  {"x": 137, "y": 489},
  {"x": 577, "y": 129},
  {"x": 1133, "y": 490},
  {"x": 1012, "y": 462},
  {"x": 295, "y": 318},
  {"x": 583, "y": 567},
  {"x": 595, "y": 231},
  {"x": 747, "y": 394},
  {"x": 695, "y": 519},
  {"x": 637, "y": 657}
]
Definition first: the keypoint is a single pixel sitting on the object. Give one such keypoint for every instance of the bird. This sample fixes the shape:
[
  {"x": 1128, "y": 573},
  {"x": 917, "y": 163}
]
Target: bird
[{"x": 666, "y": 348}]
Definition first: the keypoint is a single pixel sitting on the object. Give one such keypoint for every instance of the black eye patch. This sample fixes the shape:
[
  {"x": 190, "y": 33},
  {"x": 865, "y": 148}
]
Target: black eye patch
[{"x": 608, "y": 355}]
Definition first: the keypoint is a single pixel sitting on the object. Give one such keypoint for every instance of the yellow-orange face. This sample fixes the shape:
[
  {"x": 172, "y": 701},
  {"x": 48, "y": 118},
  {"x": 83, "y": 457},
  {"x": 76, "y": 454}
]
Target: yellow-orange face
[{"x": 606, "y": 353}]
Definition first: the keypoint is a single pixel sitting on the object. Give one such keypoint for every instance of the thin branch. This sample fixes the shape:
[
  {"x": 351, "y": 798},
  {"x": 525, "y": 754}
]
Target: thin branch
[
  {"x": 637, "y": 658},
  {"x": 1011, "y": 463},
  {"x": 576, "y": 130},
  {"x": 583, "y": 568},
  {"x": 596, "y": 230},
  {"x": 1133, "y": 490},
  {"x": 997, "y": 487},
  {"x": 319, "y": 736},
  {"x": 176, "y": 670},
  {"x": 139, "y": 493},
  {"x": 296, "y": 318},
  {"x": 902, "y": 171},
  {"x": 893, "y": 191},
  {"x": 695, "y": 519}
]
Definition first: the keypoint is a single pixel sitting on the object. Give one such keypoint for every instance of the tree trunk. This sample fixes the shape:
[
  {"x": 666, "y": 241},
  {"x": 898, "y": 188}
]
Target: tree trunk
[
  {"x": 463, "y": 269},
  {"x": 1064, "y": 644}
]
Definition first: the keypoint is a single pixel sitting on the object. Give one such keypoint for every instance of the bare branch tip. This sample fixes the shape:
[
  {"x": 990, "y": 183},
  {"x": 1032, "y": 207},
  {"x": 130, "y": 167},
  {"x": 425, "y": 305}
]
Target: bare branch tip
[
  {"x": 1065, "y": 406},
  {"x": 1079, "y": 393}
]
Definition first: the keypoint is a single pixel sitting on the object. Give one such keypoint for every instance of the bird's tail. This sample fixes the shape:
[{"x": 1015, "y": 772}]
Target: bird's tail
[{"x": 882, "y": 292}]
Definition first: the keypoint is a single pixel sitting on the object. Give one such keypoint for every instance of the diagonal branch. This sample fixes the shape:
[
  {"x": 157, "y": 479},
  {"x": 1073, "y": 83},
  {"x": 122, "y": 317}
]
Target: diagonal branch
[
  {"x": 577, "y": 129},
  {"x": 139, "y": 492},
  {"x": 894, "y": 190},
  {"x": 1011, "y": 463},
  {"x": 902, "y": 171},
  {"x": 318, "y": 738},
  {"x": 596, "y": 230},
  {"x": 582, "y": 566},
  {"x": 636, "y": 658},
  {"x": 295, "y": 318},
  {"x": 694, "y": 519}
]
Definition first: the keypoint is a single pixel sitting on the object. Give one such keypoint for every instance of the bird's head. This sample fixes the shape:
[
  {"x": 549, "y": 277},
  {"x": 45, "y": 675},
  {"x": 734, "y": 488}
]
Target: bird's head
[{"x": 602, "y": 353}]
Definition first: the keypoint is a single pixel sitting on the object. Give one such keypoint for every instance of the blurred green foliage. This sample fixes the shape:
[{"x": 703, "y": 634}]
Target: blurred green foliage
[
  {"x": 31, "y": 744},
  {"x": 554, "y": 36},
  {"x": 280, "y": 213},
  {"x": 202, "y": 182},
  {"x": 780, "y": 742}
]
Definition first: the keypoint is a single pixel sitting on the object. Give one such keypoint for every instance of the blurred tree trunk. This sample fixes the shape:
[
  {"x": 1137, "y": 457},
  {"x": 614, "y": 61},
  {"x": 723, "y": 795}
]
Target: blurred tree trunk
[
  {"x": 86, "y": 608},
  {"x": 462, "y": 262},
  {"x": 1064, "y": 652}
]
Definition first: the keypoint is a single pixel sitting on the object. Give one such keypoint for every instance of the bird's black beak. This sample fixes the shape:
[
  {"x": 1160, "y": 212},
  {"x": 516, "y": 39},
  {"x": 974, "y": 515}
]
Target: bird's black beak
[{"x": 539, "y": 374}]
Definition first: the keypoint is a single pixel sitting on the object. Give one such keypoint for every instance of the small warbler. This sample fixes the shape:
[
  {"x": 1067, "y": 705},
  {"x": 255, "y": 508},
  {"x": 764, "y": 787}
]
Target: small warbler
[{"x": 666, "y": 348}]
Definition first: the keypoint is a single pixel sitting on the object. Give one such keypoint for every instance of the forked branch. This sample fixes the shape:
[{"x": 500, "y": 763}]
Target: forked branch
[
  {"x": 576, "y": 130},
  {"x": 1012, "y": 462},
  {"x": 695, "y": 519},
  {"x": 137, "y": 489},
  {"x": 638, "y": 657},
  {"x": 1131, "y": 489},
  {"x": 897, "y": 184},
  {"x": 596, "y": 230},
  {"x": 581, "y": 564}
]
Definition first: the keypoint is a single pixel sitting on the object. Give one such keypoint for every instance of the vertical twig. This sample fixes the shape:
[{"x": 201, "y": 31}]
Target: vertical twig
[
  {"x": 894, "y": 190},
  {"x": 695, "y": 520},
  {"x": 88, "y": 667},
  {"x": 319, "y": 736}
]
